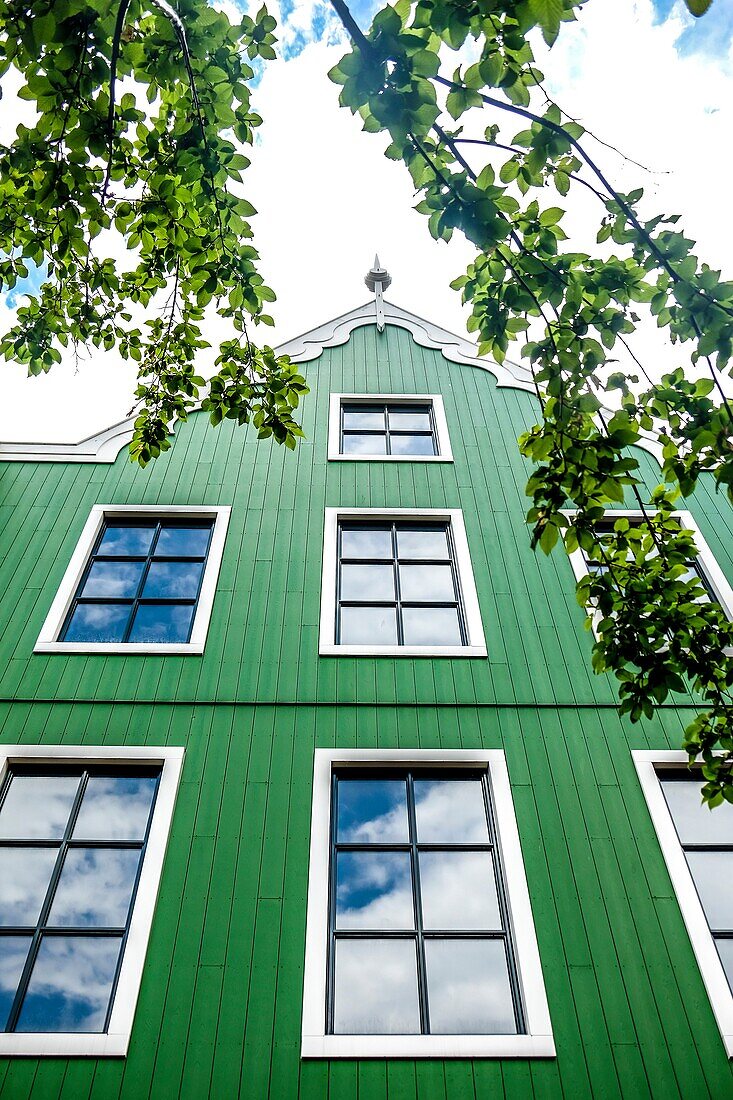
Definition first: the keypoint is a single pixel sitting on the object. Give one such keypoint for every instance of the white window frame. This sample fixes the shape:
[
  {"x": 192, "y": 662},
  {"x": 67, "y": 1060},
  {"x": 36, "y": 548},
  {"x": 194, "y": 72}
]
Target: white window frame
[
  {"x": 48, "y": 639},
  {"x": 705, "y": 558},
  {"x": 476, "y": 646},
  {"x": 713, "y": 975},
  {"x": 115, "y": 1041},
  {"x": 538, "y": 1041},
  {"x": 442, "y": 438}
]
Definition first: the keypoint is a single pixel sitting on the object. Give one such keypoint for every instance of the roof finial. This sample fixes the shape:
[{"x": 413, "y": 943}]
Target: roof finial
[{"x": 378, "y": 280}]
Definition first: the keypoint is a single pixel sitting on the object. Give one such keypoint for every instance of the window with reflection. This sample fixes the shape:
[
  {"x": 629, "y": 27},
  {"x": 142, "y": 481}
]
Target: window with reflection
[
  {"x": 142, "y": 582},
  {"x": 419, "y": 934},
  {"x": 398, "y": 584},
  {"x": 388, "y": 428},
  {"x": 694, "y": 568},
  {"x": 707, "y": 841},
  {"x": 72, "y": 844}
]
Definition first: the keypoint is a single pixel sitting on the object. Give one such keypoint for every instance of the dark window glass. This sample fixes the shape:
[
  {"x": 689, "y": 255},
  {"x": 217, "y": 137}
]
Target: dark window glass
[
  {"x": 71, "y": 850},
  {"x": 469, "y": 987},
  {"x": 694, "y": 567},
  {"x": 162, "y": 622},
  {"x": 372, "y": 811},
  {"x": 398, "y": 585},
  {"x": 70, "y": 984},
  {"x": 707, "y": 841},
  {"x": 141, "y": 584},
  {"x": 393, "y": 428},
  {"x": 376, "y": 987},
  {"x": 420, "y": 939},
  {"x": 373, "y": 890}
]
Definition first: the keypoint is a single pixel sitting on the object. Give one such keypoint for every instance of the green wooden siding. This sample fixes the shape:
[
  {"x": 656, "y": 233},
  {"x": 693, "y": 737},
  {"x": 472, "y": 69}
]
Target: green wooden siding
[{"x": 219, "y": 1009}]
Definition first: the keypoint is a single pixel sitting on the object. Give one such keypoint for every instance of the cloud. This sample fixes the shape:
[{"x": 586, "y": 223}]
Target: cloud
[{"x": 712, "y": 34}]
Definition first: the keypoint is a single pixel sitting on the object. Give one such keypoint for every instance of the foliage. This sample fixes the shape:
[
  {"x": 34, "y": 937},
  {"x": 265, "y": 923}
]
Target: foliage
[
  {"x": 657, "y": 629},
  {"x": 136, "y": 105}
]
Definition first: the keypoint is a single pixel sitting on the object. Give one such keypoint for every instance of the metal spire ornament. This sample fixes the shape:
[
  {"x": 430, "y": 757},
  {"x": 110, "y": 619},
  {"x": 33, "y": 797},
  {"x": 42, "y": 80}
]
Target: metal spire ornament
[{"x": 378, "y": 280}]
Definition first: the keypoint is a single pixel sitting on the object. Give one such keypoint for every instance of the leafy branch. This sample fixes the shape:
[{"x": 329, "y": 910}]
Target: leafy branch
[{"x": 657, "y": 630}]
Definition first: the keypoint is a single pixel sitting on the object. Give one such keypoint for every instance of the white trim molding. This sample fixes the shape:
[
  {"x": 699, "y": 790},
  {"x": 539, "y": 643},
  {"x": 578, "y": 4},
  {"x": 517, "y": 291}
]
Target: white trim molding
[
  {"x": 457, "y": 349},
  {"x": 476, "y": 646},
  {"x": 705, "y": 558},
  {"x": 116, "y": 1040},
  {"x": 435, "y": 400},
  {"x": 648, "y": 766},
  {"x": 104, "y": 446},
  {"x": 538, "y": 1041},
  {"x": 48, "y": 639}
]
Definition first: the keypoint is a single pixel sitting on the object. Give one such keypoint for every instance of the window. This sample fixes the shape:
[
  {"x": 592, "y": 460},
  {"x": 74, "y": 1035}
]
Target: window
[
  {"x": 420, "y": 939},
  {"x": 697, "y": 846},
  {"x": 399, "y": 583},
  {"x": 141, "y": 580},
  {"x": 82, "y": 838},
  {"x": 704, "y": 565},
  {"x": 388, "y": 427}
]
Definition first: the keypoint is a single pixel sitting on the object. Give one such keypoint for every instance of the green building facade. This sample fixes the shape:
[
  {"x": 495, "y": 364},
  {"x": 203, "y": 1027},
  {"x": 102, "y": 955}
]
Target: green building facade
[{"x": 219, "y": 1012}]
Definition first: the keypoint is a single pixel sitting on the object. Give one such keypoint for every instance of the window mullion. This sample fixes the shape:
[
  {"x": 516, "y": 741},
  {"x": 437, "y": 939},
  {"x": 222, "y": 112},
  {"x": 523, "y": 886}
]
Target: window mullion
[
  {"x": 141, "y": 583},
  {"x": 422, "y": 983},
  {"x": 398, "y": 592}
]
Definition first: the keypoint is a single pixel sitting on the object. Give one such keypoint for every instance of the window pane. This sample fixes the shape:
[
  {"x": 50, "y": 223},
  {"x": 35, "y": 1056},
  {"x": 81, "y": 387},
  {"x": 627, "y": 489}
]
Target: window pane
[
  {"x": 364, "y": 417},
  {"x": 714, "y": 881},
  {"x": 183, "y": 542},
  {"x": 113, "y": 579},
  {"x": 374, "y": 890},
  {"x": 115, "y": 808},
  {"x": 372, "y": 811},
  {"x": 367, "y": 582},
  {"x": 409, "y": 420},
  {"x": 173, "y": 580},
  {"x": 375, "y": 988},
  {"x": 95, "y": 887},
  {"x": 13, "y": 952},
  {"x": 468, "y": 987},
  {"x": 431, "y": 626},
  {"x": 366, "y": 542},
  {"x": 162, "y": 623},
  {"x": 458, "y": 891},
  {"x": 37, "y": 807},
  {"x": 414, "y": 542},
  {"x": 368, "y": 626},
  {"x": 98, "y": 623},
  {"x": 411, "y": 445},
  {"x": 364, "y": 444},
  {"x": 450, "y": 811},
  {"x": 24, "y": 877},
  {"x": 71, "y": 984},
  {"x": 427, "y": 582},
  {"x": 725, "y": 950},
  {"x": 695, "y": 823},
  {"x": 123, "y": 542}
]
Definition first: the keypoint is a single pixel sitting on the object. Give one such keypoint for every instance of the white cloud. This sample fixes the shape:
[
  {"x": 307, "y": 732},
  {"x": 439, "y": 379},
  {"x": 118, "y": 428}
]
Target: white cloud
[{"x": 328, "y": 199}]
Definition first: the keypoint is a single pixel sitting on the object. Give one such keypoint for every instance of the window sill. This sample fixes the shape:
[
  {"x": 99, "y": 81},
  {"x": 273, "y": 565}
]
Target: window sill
[
  {"x": 331, "y": 650},
  {"x": 126, "y": 649},
  {"x": 389, "y": 458},
  {"x": 427, "y": 1046},
  {"x": 63, "y": 1045}
]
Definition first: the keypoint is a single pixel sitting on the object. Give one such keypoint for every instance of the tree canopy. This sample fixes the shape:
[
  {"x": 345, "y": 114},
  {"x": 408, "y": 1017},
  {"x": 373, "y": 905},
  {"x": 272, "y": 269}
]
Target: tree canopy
[{"x": 138, "y": 108}]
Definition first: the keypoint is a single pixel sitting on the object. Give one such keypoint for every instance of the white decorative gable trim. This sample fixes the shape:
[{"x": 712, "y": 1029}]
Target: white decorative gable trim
[
  {"x": 102, "y": 447},
  {"x": 427, "y": 335},
  {"x": 106, "y": 445}
]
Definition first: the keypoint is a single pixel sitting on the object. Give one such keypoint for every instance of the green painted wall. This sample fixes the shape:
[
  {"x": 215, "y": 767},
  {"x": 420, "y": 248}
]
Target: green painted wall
[{"x": 219, "y": 1011}]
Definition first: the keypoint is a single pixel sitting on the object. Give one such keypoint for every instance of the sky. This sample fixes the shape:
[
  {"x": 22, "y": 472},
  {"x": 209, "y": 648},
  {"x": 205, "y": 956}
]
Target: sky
[{"x": 642, "y": 74}]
